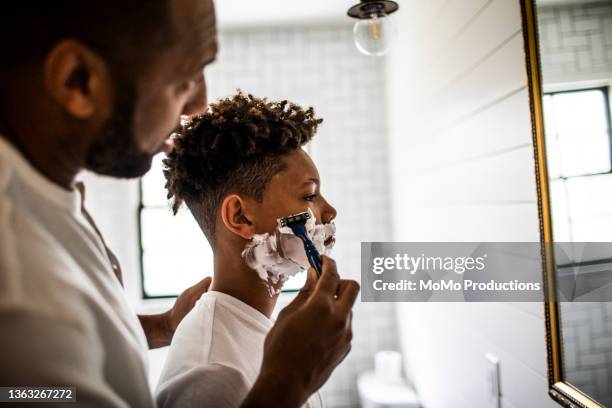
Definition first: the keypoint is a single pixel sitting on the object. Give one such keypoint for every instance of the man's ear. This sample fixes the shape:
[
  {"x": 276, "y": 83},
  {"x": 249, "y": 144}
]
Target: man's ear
[
  {"x": 235, "y": 217},
  {"x": 78, "y": 79}
]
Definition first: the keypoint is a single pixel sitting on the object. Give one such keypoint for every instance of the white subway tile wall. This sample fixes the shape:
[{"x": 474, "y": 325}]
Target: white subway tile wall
[
  {"x": 576, "y": 42},
  {"x": 320, "y": 66},
  {"x": 316, "y": 66},
  {"x": 587, "y": 334}
]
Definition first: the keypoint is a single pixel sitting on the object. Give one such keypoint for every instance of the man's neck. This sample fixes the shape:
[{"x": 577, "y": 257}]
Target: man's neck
[
  {"x": 37, "y": 129},
  {"x": 233, "y": 277},
  {"x": 51, "y": 161}
]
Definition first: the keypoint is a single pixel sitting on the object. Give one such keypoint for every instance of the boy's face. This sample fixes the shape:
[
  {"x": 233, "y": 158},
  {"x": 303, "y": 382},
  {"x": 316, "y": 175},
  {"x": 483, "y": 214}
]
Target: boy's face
[{"x": 291, "y": 191}]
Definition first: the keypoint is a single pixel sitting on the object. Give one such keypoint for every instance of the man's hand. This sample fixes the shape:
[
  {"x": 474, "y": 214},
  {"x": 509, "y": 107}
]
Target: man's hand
[
  {"x": 185, "y": 302},
  {"x": 160, "y": 328},
  {"x": 312, "y": 335}
]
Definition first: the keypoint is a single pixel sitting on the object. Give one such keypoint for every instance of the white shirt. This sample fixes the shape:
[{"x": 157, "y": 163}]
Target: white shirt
[
  {"x": 64, "y": 318},
  {"x": 215, "y": 355}
]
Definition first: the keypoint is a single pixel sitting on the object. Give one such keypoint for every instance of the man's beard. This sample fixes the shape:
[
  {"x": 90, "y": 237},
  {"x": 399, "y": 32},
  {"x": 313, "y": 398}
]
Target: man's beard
[{"x": 114, "y": 152}]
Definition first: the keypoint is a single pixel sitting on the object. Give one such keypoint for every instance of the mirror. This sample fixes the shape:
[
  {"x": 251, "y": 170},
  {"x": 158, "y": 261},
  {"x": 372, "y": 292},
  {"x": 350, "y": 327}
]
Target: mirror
[{"x": 569, "y": 51}]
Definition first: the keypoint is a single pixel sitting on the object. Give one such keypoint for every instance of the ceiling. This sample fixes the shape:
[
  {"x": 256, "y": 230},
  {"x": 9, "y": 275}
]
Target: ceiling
[{"x": 274, "y": 12}]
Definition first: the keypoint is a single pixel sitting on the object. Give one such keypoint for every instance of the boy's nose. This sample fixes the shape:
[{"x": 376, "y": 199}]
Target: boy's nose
[{"x": 328, "y": 212}]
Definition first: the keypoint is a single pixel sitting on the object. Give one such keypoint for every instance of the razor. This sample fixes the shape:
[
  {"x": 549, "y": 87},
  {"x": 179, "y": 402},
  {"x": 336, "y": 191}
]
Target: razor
[{"x": 297, "y": 224}]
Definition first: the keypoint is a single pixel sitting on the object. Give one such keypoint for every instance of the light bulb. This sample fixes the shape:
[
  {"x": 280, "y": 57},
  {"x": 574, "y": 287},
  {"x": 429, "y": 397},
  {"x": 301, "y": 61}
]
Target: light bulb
[{"x": 374, "y": 35}]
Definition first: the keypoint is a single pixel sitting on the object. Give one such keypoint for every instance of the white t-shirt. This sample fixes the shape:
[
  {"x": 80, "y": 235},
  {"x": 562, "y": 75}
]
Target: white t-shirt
[
  {"x": 64, "y": 318},
  {"x": 215, "y": 355}
]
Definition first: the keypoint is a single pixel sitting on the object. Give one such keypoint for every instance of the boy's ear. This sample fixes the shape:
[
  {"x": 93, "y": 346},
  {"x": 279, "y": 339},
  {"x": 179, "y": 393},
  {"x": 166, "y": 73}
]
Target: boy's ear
[{"x": 235, "y": 219}]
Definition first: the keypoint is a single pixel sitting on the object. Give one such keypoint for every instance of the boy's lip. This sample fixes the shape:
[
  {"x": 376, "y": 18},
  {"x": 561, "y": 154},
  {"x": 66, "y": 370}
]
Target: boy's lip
[{"x": 329, "y": 241}]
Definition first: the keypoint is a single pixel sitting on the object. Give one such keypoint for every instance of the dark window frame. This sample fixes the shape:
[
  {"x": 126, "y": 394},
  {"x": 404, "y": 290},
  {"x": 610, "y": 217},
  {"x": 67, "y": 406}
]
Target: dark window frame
[{"x": 141, "y": 208}]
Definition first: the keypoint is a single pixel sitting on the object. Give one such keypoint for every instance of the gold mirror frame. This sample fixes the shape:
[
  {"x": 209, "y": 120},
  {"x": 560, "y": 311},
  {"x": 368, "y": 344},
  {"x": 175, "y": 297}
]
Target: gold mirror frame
[{"x": 558, "y": 388}]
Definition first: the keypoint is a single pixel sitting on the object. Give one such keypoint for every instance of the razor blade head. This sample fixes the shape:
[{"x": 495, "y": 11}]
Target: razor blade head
[{"x": 299, "y": 218}]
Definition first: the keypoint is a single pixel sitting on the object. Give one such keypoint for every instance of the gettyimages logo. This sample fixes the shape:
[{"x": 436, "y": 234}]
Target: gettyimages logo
[{"x": 413, "y": 264}]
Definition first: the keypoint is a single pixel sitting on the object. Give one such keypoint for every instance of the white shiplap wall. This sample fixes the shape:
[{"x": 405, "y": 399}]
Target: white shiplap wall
[{"x": 462, "y": 170}]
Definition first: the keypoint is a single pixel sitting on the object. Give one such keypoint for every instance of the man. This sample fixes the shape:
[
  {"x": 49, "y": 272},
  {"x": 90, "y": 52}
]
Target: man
[{"x": 100, "y": 85}]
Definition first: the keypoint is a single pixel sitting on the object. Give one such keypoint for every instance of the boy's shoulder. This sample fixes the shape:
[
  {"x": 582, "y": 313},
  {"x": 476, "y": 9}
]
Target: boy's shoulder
[
  {"x": 208, "y": 363},
  {"x": 220, "y": 329},
  {"x": 210, "y": 385}
]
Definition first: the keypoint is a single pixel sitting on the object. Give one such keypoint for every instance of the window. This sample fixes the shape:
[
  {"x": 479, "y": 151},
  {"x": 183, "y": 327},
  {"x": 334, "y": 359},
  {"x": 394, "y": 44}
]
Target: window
[
  {"x": 174, "y": 252},
  {"x": 579, "y": 158}
]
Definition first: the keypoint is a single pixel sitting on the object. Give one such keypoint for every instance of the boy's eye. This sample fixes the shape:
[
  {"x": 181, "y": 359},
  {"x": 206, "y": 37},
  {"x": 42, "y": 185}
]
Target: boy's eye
[{"x": 310, "y": 197}]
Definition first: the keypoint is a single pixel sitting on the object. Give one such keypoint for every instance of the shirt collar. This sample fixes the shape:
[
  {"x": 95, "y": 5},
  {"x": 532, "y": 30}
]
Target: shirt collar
[
  {"x": 20, "y": 167},
  {"x": 242, "y": 307}
]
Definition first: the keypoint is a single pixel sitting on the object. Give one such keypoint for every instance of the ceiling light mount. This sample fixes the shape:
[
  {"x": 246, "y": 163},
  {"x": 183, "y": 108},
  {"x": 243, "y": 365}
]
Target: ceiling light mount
[{"x": 366, "y": 8}]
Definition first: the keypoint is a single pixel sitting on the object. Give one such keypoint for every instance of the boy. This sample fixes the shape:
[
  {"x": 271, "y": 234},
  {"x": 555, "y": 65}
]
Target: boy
[{"x": 239, "y": 168}]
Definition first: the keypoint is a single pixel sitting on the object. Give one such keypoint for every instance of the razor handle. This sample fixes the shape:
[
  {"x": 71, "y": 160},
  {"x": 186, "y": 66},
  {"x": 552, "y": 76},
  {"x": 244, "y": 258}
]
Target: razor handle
[{"x": 311, "y": 253}]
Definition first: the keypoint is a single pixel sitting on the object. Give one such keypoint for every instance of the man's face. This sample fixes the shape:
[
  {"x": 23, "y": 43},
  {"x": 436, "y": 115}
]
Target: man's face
[
  {"x": 146, "y": 111},
  {"x": 293, "y": 190}
]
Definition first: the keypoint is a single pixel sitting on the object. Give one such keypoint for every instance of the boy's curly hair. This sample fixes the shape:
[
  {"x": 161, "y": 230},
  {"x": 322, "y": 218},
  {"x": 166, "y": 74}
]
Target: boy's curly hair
[{"x": 235, "y": 147}]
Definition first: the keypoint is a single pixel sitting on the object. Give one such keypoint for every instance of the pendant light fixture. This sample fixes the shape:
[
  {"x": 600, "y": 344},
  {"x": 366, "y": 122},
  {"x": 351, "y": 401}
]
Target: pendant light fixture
[{"x": 373, "y": 33}]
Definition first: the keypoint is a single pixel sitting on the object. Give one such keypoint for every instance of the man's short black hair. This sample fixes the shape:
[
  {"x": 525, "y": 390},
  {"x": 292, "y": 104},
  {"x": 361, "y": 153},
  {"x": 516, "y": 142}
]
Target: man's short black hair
[
  {"x": 120, "y": 30},
  {"x": 236, "y": 147}
]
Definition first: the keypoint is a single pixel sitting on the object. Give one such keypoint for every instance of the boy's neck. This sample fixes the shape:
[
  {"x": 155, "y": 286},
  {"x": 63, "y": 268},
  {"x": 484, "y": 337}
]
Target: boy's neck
[{"x": 233, "y": 277}]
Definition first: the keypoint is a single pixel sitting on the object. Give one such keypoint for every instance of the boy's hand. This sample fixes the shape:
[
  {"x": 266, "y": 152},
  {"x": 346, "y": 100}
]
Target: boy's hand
[{"x": 312, "y": 335}]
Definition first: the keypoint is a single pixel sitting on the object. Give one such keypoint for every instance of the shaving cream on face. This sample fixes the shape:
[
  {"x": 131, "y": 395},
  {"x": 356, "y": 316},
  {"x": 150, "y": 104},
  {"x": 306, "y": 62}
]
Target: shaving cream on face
[{"x": 279, "y": 255}]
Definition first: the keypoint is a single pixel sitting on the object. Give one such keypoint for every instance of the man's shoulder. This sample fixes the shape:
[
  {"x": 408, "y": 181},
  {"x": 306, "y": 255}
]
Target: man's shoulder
[{"x": 35, "y": 273}]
